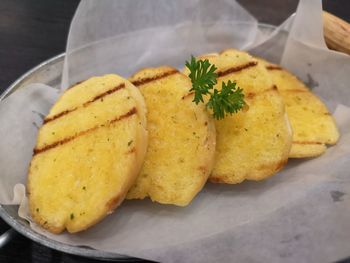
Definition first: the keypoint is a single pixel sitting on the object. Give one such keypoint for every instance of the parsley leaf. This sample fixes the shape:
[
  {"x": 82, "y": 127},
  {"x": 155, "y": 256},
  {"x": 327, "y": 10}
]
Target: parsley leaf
[
  {"x": 203, "y": 77},
  {"x": 228, "y": 100}
]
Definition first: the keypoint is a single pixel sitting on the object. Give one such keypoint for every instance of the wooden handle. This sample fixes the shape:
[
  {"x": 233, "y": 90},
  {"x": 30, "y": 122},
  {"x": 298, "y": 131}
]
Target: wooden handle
[{"x": 336, "y": 33}]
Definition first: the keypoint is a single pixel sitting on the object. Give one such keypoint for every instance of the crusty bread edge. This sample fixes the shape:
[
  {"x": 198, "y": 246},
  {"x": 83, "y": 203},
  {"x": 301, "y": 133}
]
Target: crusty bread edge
[
  {"x": 209, "y": 159},
  {"x": 142, "y": 141},
  {"x": 140, "y": 153}
]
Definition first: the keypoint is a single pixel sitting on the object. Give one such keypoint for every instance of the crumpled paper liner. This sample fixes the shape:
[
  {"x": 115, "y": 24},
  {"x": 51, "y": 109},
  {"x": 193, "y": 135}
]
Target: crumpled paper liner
[{"x": 299, "y": 215}]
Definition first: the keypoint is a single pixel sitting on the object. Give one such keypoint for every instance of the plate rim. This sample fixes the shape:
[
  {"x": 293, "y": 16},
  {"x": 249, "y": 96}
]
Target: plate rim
[
  {"x": 31, "y": 234},
  {"x": 28, "y": 73}
]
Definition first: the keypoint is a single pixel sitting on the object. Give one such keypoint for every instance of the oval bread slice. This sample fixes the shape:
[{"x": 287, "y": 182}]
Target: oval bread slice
[
  {"x": 181, "y": 147},
  {"x": 313, "y": 126},
  {"x": 89, "y": 152},
  {"x": 252, "y": 144}
]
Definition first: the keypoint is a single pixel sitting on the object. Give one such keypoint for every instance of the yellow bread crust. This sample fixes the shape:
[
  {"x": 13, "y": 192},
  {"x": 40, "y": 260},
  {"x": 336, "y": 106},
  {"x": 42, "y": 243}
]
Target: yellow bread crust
[
  {"x": 76, "y": 183},
  {"x": 181, "y": 148},
  {"x": 243, "y": 147},
  {"x": 255, "y": 144},
  {"x": 314, "y": 127}
]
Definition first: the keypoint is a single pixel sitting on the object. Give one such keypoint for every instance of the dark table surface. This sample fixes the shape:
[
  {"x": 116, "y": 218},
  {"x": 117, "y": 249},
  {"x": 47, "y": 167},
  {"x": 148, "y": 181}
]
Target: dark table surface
[{"x": 32, "y": 31}]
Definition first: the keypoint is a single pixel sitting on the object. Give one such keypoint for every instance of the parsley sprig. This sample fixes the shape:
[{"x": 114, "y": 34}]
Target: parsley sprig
[
  {"x": 228, "y": 100},
  {"x": 203, "y": 77}
]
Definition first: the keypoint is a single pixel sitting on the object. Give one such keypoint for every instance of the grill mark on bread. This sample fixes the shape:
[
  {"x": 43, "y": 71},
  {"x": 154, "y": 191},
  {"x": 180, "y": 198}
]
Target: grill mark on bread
[
  {"x": 251, "y": 95},
  {"x": 59, "y": 115},
  {"x": 231, "y": 70},
  {"x": 71, "y": 138},
  {"x": 63, "y": 141},
  {"x": 273, "y": 67},
  {"x": 187, "y": 95},
  {"x": 85, "y": 104},
  {"x": 143, "y": 81},
  {"x": 126, "y": 115},
  {"x": 228, "y": 71},
  {"x": 104, "y": 94}
]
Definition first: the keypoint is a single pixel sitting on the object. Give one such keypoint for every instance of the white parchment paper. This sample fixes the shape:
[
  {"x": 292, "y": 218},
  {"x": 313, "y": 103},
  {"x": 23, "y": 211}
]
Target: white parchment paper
[{"x": 300, "y": 215}]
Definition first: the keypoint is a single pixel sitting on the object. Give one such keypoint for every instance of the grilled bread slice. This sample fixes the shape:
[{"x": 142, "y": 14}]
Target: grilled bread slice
[
  {"x": 181, "y": 147},
  {"x": 252, "y": 144},
  {"x": 89, "y": 152},
  {"x": 313, "y": 126}
]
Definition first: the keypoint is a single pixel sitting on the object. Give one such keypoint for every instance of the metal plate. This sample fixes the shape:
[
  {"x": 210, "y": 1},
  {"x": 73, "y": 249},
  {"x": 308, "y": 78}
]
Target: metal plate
[{"x": 49, "y": 72}]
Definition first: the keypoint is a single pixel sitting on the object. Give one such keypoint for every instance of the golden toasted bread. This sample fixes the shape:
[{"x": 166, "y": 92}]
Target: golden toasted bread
[
  {"x": 313, "y": 126},
  {"x": 89, "y": 152},
  {"x": 181, "y": 147},
  {"x": 252, "y": 144}
]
